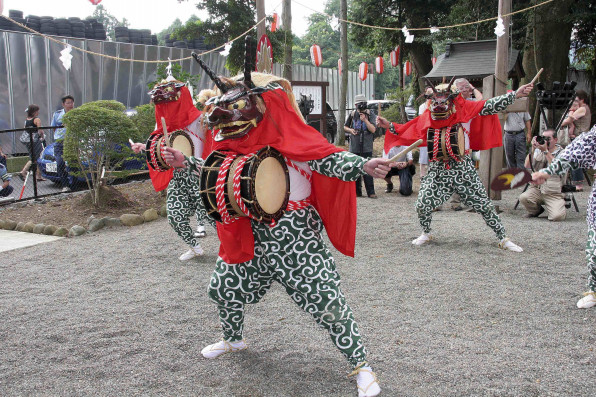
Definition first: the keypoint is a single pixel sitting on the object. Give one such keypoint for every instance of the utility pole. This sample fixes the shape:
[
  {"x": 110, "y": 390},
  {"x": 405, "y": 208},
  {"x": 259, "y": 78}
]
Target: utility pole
[
  {"x": 260, "y": 15},
  {"x": 343, "y": 88},
  {"x": 287, "y": 26},
  {"x": 491, "y": 161}
]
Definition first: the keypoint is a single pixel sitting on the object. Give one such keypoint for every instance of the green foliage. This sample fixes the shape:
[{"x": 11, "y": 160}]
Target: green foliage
[
  {"x": 108, "y": 20},
  {"x": 161, "y": 36},
  {"x": 192, "y": 29},
  {"x": 397, "y": 112},
  {"x": 144, "y": 122},
  {"x": 96, "y": 137}
]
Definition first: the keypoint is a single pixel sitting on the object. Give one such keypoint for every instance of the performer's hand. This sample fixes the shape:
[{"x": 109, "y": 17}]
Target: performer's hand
[
  {"x": 524, "y": 90},
  {"x": 538, "y": 178},
  {"x": 377, "y": 168},
  {"x": 137, "y": 147},
  {"x": 401, "y": 165},
  {"x": 174, "y": 157},
  {"x": 383, "y": 122}
]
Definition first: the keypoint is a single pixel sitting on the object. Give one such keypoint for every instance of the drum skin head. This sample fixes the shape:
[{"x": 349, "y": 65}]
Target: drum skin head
[
  {"x": 183, "y": 144},
  {"x": 270, "y": 185}
]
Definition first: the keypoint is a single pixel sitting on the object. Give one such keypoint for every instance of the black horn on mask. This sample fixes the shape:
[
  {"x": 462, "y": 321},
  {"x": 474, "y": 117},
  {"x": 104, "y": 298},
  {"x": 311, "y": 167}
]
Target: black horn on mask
[
  {"x": 430, "y": 84},
  {"x": 248, "y": 62},
  {"x": 450, "y": 83},
  {"x": 220, "y": 84}
]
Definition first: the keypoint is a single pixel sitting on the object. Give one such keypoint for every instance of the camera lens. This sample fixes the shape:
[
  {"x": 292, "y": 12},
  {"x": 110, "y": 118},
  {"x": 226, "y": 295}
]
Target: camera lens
[{"x": 540, "y": 140}]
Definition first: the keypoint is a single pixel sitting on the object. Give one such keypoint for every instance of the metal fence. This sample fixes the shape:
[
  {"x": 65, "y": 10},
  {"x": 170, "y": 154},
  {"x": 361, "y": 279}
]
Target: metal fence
[{"x": 31, "y": 72}]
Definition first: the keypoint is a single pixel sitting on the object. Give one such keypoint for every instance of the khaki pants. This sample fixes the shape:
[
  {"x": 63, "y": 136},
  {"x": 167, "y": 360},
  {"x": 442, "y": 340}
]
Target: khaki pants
[{"x": 553, "y": 203}]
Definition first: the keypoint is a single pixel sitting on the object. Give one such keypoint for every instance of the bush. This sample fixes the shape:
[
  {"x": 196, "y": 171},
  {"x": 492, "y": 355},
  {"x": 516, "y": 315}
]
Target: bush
[
  {"x": 144, "y": 121},
  {"x": 96, "y": 137}
]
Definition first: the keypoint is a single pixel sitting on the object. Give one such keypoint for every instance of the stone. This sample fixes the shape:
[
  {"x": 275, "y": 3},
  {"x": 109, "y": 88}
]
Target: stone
[
  {"x": 10, "y": 225},
  {"x": 2, "y": 222},
  {"x": 49, "y": 230},
  {"x": 90, "y": 219},
  {"x": 96, "y": 224},
  {"x": 163, "y": 211},
  {"x": 76, "y": 230},
  {"x": 150, "y": 215},
  {"x": 20, "y": 227},
  {"x": 29, "y": 227},
  {"x": 131, "y": 219},
  {"x": 38, "y": 229},
  {"x": 61, "y": 232},
  {"x": 111, "y": 222}
]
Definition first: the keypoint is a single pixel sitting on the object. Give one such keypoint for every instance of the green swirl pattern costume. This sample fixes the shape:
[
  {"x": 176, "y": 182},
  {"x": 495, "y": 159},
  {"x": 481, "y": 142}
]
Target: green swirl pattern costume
[
  {"x": 293, "y": 254},
  {"x": 444, "y": 179}
]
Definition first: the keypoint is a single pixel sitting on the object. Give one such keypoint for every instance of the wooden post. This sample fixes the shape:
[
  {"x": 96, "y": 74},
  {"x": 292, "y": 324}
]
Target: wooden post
[
  {"x": 287, "y": 25},
  {"x": 260, "y": 15},
  {"x": 343, "y": 88},
  {"x": 491, "y": 161}
]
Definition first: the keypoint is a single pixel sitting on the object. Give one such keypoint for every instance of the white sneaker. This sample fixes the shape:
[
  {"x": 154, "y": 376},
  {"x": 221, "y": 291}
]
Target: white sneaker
[
  {"x": 588, "y": 301},
  {"x": 366, "y": 381},
  {"x": 200, "y": 231},
  {"x": 423, "y": 239},
  {"x": 191, "y": 253},
  {"x": 507, "y": 244},
  {"x": 223, "y": 347}
]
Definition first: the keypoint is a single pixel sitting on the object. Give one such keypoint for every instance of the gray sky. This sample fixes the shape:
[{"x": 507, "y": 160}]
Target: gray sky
[{"x": 146, "y": 14}]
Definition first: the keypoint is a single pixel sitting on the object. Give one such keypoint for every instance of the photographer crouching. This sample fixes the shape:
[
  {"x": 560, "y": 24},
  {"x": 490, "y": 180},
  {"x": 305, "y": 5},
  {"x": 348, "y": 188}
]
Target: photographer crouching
[
  {"x": 548, "y": 196},
  {"x": 361, "y": 125}
]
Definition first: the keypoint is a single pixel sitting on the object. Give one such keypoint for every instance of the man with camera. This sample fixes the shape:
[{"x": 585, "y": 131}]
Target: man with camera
[
  {"x": 548, "y": 196},
  {"x": 361, "y": 125}
]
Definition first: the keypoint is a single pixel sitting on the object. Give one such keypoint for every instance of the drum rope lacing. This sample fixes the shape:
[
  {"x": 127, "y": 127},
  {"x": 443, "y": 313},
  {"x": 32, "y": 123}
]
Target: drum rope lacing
[
  {"x": 154, "y": 163},
  {"x": 437, "y": 135},
  {"x": 220, "y": 187},
  {"x": 298, "y": 205},
  {"x": 237, "y": 190}
]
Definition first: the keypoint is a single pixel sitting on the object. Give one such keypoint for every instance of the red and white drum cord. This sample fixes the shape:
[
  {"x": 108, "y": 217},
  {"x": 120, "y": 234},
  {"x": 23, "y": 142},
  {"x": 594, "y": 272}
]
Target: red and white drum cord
[
  {"x": 436, "y": 137},
  {"x": 237, "y": 189},
  {"x": 305, "y": 174},
  {"x": 154, "y": 162},
  {"x": 449, "y": 148},
  {"x": 220, "y": 186}
]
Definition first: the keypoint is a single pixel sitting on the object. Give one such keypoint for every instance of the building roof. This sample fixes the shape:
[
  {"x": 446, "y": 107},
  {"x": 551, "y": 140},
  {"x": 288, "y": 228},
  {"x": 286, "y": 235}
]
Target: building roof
[{"x": 473, "y": 60}]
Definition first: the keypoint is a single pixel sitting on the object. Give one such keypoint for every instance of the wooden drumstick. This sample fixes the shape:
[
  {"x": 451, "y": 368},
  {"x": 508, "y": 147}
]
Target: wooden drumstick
[
  {"x": 406, "y": 150},
  {"x": 537, "y": 75},
  {"x": 165, "y": 132}
]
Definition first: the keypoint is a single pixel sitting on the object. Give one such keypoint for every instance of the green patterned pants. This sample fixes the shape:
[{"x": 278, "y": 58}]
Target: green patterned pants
[
  {"x": 183, "y": 200},
  {"x": 591, "y": 258},
  {"x": 293, "y": 254},
  {"x": 440, "y": 184}
]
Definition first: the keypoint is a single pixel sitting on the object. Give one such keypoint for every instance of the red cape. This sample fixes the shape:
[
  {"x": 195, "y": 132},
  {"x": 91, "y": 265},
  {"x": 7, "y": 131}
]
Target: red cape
[
  {"x": 485, "y": 131},
  {"x": 334, "y": 199},
  {"x": 178, "y": 115}
]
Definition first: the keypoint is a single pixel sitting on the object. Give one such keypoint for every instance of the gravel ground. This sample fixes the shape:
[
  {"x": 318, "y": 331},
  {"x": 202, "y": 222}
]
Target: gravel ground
[{"x": 115, "y": 313}]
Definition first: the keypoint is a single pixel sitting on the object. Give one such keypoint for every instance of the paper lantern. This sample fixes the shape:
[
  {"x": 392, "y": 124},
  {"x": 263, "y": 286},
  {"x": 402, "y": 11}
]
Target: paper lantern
[
  {"x": 339, "y": 65},
  {"x": 1, "y": 6},
  {"x": 363, "y": 71},
  {"x": 95, "y": 2},
  {"x": 408, "y": 68},
  {"x": 315, "y": 55},
  {"x": 274, "y": 23},
  {"x": 395, "y": 57},
  {"x": 379, "y": 67},
  {"x": 434, "y": 60}
]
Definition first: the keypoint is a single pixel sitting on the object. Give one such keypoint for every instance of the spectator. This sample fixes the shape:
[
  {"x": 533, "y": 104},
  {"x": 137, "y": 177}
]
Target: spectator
[
  {"x": 547, "y": 196},
  {"x": 67, "y": 105},
  {"x": 34, "y": 147},
  {"x": 5, "y": 188},
  {"x": 361, "y": 124},
  {"x": 2, "y": 157},
  {"x": 518, "y": 131},
  {"x": 404, "y": 168},
  {"x": 423, "y": 158},
  {"x": 580, "y": 119}
]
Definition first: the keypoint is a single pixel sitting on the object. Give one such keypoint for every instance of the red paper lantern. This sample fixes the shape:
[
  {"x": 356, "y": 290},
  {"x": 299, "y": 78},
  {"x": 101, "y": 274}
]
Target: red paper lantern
[
  {"x": 315, "y": 55},
  {"x": 274, "y": 23},
  {"x": 95, "y": 2},
  {"x": 434, "y": 60},
  {"x": 395, "y": 57},
  {"x": 363, "y": 71},
  {"x": 379, "y": 67},
  {"x": 339, "y": 65},
  {"x": 408, "y": 68}
]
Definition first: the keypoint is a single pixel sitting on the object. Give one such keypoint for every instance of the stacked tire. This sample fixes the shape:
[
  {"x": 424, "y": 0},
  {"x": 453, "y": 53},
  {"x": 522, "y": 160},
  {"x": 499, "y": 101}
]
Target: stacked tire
[
  {"x": 136, "y": 36},
  {"x": 16, "y": 16},
  {"x": 63, "y": 27},
  {"x": 34, "y": 22},
  {"x": 154, "y": 40},
  {"x": 77, "y": 27},
  {"x": 99, "y": 31},
  {"x": 180, "y": 44},
  {"x": 122, "y": 34},
  {"x": 48, "y": 26},
  {"x": 169, "y": 40},
  {"x": 199, "y": 44},
  {"x": 89, "y": 32}
]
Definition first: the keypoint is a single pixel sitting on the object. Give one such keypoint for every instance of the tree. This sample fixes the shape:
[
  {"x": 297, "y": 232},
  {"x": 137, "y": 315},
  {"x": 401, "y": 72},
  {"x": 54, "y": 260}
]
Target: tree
[
  {"x": 96, "y": 138},
  {"x": 108, "y": 20},
  {"x": 584, "y": 41},
  {"x": 161, "y": 36}
]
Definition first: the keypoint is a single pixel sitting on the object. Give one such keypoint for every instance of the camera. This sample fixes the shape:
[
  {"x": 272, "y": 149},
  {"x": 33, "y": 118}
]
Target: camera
[
  {"x": 362, "y": 106},
  {"x": 541, "y": 140}
]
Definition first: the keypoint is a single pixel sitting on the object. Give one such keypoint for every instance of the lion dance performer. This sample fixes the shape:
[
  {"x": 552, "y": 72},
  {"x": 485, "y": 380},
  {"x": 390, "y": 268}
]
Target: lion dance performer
[
  {"x": 173, "y": 102},
  {"x": 581, "y": 153},
  {"x": 257, "y": 111},
  {"x": 451, "y": 169}
]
